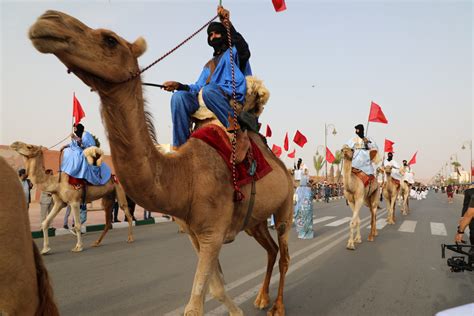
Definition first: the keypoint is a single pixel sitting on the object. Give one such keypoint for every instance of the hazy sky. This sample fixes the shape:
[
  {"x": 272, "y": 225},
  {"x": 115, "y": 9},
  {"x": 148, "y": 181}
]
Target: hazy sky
[{"x": 413, "y": 58}]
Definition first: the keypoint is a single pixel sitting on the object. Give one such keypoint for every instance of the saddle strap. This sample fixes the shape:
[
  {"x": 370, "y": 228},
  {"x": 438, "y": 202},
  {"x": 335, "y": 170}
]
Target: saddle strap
[{"x": 251, "y": 204}]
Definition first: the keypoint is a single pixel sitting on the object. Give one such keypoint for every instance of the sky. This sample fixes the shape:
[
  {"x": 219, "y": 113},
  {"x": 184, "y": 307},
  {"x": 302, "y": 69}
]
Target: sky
[{"x": 322, "y": 61}]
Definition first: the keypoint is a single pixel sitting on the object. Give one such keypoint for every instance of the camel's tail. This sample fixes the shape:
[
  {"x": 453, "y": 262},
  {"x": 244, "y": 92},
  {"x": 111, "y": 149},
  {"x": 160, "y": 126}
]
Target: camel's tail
[{"x": 47, "y": 305}]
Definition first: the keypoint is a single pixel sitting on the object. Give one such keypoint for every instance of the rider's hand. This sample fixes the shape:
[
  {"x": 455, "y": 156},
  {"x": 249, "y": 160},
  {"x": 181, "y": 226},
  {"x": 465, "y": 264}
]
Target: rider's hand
[
  {"x": 171, "y": 85},
  {"x": 223, "y": 13},
  {"x": 458, "y": 238}
]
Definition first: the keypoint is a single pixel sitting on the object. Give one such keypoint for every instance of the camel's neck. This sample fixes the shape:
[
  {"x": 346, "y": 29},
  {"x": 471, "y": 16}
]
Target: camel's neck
[
  {"x": 347, "y": 171},
  {"x": 139, "y": 165},
  {"x": 36, "y": 172}
]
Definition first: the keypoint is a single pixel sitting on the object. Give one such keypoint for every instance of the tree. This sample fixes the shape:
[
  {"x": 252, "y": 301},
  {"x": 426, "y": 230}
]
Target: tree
[{"x": 318, "y": 161}]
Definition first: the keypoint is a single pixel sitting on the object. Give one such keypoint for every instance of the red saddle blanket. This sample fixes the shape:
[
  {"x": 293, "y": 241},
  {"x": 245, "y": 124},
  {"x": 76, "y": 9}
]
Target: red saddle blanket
[
  {"x": 79, "y": 183},
  {"x": 217, "y": 138},
  {"x": 366, "y": 179},
  {"x": 397, "y": 182}
]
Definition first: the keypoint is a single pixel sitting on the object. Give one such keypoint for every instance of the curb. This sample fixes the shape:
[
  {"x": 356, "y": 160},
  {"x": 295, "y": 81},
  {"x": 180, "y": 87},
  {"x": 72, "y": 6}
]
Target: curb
[{"x": 99, "y": 227}]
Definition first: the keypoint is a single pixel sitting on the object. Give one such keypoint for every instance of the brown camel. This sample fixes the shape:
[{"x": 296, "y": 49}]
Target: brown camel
[
  {"x": 405, "y": 188},
  {"x": 357, "y": 194},
  {"x": 25, "y": 287},
  {"x": 390, "y": 193},
  {"x": 192, "y": 184},
  {"x": 64, "y": 194}
]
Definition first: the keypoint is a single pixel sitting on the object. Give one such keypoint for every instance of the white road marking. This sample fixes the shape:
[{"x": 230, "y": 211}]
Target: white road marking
[
  {"x": 438, "y": 229},
  {"x": 339, "y": 222},
  {"x": 275, "y": 278},
  {"x": 322, "y": 219},
  {"x": 407, "y": 226},
  {"x": 380, "y": 224}
]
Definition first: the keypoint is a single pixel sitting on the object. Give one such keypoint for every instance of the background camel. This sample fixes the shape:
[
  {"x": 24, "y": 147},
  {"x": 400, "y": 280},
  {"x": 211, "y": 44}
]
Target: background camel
[
  {"x": 405, "y": 196},
  {"x": 390, "y": 192},
  {"x": 64, "y": 194},
  {"x": 192, "y": 184},
  {"x": 25, "y": 288},
  {"x": 357, "y": 194}
]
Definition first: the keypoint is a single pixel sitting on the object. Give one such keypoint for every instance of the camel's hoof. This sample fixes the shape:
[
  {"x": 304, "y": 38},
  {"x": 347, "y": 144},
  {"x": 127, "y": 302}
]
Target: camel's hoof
[
  {"x": 237, "y": 312},
  {"x": 277, "y": 310},
  {"x": 96, "y": 244},
  {"x": 370, "y": 238},
  {"x": 350, "y": 246},
  {"x": 77, "y": 249},
  {"x": 358, "y": 240},
  {"x": 130, "y": 240},
  {"x": 192, "y": 313},
  {"x": 45, "y": 251},
  {"x": 261, "y": 301}
]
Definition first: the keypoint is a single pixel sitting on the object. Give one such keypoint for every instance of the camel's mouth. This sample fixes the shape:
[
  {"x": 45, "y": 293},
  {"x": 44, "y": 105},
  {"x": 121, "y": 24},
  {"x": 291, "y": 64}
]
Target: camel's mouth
[{"x": 45, "y": 40}]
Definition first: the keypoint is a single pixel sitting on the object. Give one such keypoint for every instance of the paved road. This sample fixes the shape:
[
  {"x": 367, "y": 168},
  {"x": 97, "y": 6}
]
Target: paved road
[{"x": 401, "y": 273}]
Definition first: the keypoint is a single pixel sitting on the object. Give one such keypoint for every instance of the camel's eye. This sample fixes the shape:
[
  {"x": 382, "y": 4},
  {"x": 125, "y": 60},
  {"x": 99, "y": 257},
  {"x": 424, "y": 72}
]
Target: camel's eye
[{"x": 110, "y": 41}]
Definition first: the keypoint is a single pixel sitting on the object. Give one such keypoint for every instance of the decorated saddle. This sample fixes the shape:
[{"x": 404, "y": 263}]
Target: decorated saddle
[{"x": 366, "y": 179}]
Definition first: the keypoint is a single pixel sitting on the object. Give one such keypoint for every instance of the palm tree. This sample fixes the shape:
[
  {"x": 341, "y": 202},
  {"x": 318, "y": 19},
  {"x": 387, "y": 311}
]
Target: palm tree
[{"x": 318, "y": 161}]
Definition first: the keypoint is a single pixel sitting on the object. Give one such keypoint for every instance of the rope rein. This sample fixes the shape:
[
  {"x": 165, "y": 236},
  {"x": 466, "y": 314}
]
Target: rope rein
[
  {"x": 139, "y": 72},
  {"x": 69, "y": 135}
]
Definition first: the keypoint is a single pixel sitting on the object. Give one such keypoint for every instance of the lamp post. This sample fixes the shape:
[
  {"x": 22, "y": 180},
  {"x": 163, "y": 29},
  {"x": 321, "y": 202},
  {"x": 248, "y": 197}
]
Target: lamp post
[
  {"x": 334, "y": 132},
  {"x": 469, "y": 143}
]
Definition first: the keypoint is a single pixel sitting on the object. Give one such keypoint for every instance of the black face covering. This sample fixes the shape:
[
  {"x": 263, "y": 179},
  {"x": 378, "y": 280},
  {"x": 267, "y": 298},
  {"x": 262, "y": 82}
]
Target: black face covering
[
  {"x": 405, "y": 163},
  {"x": 217, "y": 43},
  {"x": 79, "y": 130},
  {"x": 360, "y": 130},
  {"x": 389, "y": 156}
]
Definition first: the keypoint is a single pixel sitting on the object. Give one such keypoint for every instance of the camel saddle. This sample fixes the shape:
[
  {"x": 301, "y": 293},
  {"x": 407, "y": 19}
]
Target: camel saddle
[
  {"x": 80, "y": 183},
  {"x": 366, "y": 179}
]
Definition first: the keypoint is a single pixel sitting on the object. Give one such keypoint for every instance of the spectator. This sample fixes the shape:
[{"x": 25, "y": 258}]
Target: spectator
[
  {"x": 327, "y": 192},
  {"x": 450, "y": 193},
  {"x": 146, "y": 214},
  {"x": 304, "y": 209},
  {"x": 27, "y": 185},
  {"x": 46, "y": 202}
]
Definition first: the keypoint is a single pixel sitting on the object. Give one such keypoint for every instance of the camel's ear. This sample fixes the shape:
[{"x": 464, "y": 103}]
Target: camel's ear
[{"x": 138, "y": 47}]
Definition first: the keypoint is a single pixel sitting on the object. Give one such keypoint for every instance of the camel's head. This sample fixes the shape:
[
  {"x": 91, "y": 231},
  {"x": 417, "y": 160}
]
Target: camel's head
[
  {"x": 387, "y": 170},
  {"x": 27, "y": 150},
  {"x": 97, "y": 56},
  {"x": 347, "y": 152}
]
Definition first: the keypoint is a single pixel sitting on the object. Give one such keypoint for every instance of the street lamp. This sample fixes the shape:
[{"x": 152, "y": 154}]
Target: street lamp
[
  {"x": 334, "y": 132},
  {"x": 469, "y": 143}
]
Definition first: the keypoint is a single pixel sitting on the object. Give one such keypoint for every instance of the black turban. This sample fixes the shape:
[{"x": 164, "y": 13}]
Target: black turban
[
  {"x": 217, "y": 28},
  {"x": 360, "y": 133}
]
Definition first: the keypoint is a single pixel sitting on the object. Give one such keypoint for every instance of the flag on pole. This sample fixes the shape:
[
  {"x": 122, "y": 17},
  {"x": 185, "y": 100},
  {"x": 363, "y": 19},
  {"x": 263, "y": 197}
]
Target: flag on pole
[
  {"x": 292, "y": 154},
  {"x": 388, "y": 146},
  {"x": 279, "y": 5},
  {"x": 299, "y": 139},
  {"x": 77, "y": 111},
  {"x": 376, "y": 114},
  {"x": 268, "y": 133},
  {"x": 285, "y": 143},
  {"x": 413, "y": 159},
  {"x": 276, "y": 150},
  {"x": 329, "y": 156}
]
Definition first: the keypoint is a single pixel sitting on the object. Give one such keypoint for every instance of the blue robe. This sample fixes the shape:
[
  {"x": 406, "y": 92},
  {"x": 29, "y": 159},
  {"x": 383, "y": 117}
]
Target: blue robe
[
  {"x": 361, "y": 158},
  {"x": 74, "y": 163}
]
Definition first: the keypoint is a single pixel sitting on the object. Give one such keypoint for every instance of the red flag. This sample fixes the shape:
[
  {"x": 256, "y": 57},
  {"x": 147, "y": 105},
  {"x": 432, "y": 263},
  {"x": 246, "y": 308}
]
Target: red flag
[
  {"x": 329, "y": 156},
  {"x": 276, "y": 150},
  {"x": 412, "y": 160},
  {"x": 292, "y": 154},
  {"x": 300, "y": 139},
  {"x": 279, "y": 5},
  {"x": 285, "y": 143},
  {"x": 388, "y": 146},
  {"x": 268, "y": 133},
  {"x": 77, "y": 111},
  {"x": 376, "y": 114}
]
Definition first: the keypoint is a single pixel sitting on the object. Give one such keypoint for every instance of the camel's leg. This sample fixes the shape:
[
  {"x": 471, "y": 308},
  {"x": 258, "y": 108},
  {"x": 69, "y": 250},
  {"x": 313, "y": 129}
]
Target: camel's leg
[
  {"x": 263, "y": 237},
  {"x": 122, "y": 200},
  {"x": 216, "y": 283},
  {"x": 355, "y": 206},
  {"x": 107, "y": 204},
  {"x": 283, "y": 230},
  {"x": 392, "y": 202},
  {"x": 207, "y": 263},
  {"x": 75, "y": 208},
  {"x": 58, "y": 205},
  {"x": 373, "y": 219}
]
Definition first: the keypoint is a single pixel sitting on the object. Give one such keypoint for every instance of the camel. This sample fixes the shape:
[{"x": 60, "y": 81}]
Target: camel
[
  {"x": 192, "y": 184},
  {"x": 357, "y": 194},
  {"x": 405, "y": 196},
  {"x": 25, "y": 287},
  {"x": 65, "y": 194},
  {"x": 390, "y": 191}
]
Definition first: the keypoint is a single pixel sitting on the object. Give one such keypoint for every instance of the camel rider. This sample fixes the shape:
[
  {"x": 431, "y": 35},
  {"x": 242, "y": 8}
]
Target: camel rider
[
  {"x": 362, "y": 147},
  {"x": 405, "y": 171},
  {"x": 75, "y": 164},
  {"x": 395, "y": 166},
  {"x": 215, "y": 80}
]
